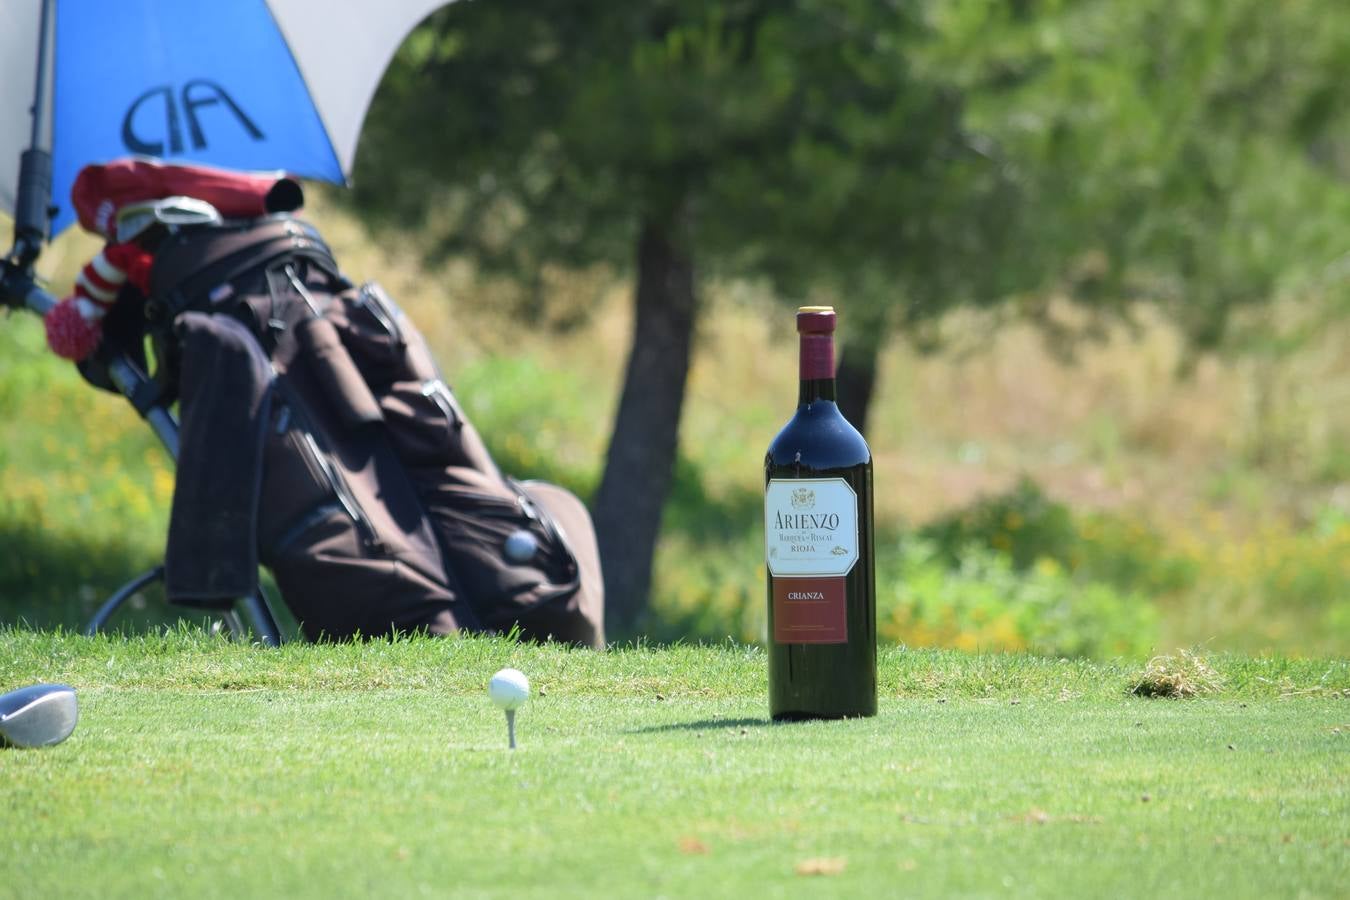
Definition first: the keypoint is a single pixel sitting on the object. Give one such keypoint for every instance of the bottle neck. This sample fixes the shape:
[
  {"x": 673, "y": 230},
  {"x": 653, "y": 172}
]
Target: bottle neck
[
  {"x": 814, "y": 389},
  {"x": 817, "y": 368}
]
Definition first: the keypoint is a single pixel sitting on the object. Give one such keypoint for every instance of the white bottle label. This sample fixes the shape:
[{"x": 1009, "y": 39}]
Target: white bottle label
[{"x": 810, "y": 526}]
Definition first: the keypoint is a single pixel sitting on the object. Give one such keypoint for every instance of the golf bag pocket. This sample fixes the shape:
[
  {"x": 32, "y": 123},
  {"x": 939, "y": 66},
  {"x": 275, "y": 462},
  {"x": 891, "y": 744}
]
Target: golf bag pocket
[
  {"x": 501, "y": 548},
  {"x": 345, "y": 563},
  {"x": 423, "y": 420},
  {"x": 376, "y": 333},
  {"x": 323, "y": 570},
  {"x": 513, "y": 561},
  {"x": 343, "y": 386},
  {"x": 429, "y": 430},
  {"x": 577, "y": 617}
]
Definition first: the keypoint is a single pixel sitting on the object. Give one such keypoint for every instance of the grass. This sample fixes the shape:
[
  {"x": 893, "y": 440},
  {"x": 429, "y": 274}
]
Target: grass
[{"x": 206, "y": 768}]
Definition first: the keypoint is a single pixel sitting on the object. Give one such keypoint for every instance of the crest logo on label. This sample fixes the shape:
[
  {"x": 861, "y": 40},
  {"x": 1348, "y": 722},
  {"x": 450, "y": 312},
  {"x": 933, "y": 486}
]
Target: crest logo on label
[{"x": 803, "y": 498}]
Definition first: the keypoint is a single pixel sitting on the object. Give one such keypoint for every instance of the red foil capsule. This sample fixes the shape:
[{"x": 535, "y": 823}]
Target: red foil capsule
[{"x": 815, "y": 324}]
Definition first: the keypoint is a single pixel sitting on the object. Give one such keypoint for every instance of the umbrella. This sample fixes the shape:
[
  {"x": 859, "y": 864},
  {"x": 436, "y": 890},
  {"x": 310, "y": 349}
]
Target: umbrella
[{"x": 240, "y": 84}]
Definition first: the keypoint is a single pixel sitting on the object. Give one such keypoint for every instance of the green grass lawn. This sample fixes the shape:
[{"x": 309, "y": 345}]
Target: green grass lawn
[{"x": 204, "y": 768}]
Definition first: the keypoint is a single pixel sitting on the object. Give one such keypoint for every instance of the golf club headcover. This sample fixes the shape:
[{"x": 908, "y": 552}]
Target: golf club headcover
[
  {"x": 101, "y": 190},
  {"x": 75, "y": 325}
]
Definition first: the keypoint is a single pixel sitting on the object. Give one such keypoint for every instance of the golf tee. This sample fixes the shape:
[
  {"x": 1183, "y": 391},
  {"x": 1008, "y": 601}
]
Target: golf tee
[{"x": 511, "y": 728}]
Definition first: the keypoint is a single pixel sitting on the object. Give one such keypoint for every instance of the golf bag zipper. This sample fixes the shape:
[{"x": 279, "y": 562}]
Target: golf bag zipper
[
  {"x": 372, "y": 297},
  {"x": 317, "y": 460},
  {"x": 496, "y": 507},
  {"x": 439, "y": 393},
  {"x": 343, "y": 492}
]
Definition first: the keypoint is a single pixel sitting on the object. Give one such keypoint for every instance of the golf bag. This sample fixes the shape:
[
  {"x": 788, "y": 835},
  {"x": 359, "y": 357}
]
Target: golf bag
[{"x": 319, "y": 439}]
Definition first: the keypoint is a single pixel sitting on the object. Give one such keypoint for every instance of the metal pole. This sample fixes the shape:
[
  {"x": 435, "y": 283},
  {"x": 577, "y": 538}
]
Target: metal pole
[
  {"x": 260, "y": 618},
  {"x": 33, "y": 204},
  {"x": 130, "y": 382},
  {"x": 41, "y": 138}
]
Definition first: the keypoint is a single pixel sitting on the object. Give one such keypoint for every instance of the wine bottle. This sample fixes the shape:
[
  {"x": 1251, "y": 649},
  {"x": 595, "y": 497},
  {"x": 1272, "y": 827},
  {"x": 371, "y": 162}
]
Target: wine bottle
[{"x": 818, "y": 548}]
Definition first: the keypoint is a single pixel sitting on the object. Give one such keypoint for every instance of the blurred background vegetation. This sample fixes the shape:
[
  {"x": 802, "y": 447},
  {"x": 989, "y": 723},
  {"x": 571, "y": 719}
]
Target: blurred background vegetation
[{"x": 1092, "y": 258}]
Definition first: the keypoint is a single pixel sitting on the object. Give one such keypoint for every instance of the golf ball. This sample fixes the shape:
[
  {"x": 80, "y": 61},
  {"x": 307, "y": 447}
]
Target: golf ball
[
  {"x": 521, "y": 546},
  {"x": 509, "y": 688}
]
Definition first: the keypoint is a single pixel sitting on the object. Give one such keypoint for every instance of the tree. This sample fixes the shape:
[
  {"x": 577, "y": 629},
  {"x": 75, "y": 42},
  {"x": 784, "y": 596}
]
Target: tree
[{"x": 667, "y": 139}]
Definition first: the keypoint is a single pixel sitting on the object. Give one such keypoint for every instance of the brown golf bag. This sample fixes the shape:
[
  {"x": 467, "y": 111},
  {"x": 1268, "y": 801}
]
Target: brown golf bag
[{"x": 319, "y": 439}]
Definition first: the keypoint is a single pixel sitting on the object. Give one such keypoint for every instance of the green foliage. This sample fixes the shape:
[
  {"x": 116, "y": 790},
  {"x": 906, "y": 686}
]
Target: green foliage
[
  {"x": 1030, "y": 527},
  {"x": 1252, "y": 588},
  {"x": 985, "y": 604},
  {"x": 976, "y": 601},
  {"x": 1183, "y": 151},
  {"x": 906, "y": 158},
  {"x": 1023, "y": 523},
  {"x": 85, "y": 495},
  {"x": 795, "y": 141},
  {"x": 523, "y": 413}
]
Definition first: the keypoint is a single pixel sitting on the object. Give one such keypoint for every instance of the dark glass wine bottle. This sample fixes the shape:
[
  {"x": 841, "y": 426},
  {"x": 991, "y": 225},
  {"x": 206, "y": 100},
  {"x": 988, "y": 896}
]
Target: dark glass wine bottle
[{"x": 819, "y": 548}]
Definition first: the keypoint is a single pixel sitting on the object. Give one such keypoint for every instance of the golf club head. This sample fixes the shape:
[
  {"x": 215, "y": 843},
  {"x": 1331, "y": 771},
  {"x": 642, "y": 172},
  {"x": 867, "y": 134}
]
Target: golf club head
[{"x": 37, "y": 716}]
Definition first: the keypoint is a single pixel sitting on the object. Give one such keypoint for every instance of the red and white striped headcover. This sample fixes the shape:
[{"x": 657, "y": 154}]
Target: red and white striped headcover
[{"x": 102, "y": 278}]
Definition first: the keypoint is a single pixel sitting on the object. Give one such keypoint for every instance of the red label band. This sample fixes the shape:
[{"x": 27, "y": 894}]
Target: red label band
[{"x": 810, "y": 611}]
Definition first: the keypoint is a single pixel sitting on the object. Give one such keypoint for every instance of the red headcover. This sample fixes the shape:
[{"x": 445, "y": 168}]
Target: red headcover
[{"x": 101, "y": 190}]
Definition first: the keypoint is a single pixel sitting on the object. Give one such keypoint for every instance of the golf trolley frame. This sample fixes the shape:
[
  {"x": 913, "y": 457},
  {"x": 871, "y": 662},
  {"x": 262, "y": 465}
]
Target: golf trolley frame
[{"x": 245, "y": 617}]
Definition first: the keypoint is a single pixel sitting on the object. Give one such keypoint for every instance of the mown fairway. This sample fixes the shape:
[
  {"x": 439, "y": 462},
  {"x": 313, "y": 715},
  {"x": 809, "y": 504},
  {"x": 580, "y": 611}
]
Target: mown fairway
[{"x": 202, "y": 768}]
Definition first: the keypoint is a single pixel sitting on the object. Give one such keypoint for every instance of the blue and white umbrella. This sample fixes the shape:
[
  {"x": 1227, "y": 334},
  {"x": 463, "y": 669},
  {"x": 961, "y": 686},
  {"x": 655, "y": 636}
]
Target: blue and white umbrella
[{"x": 241, "y": 84}]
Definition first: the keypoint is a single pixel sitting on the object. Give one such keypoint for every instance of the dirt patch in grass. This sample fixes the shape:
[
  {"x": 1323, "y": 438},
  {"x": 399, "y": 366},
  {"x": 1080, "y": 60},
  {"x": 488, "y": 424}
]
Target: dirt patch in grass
[
  {"x": 1179, "y": 676},
  {"x": 831, "y": 865}
]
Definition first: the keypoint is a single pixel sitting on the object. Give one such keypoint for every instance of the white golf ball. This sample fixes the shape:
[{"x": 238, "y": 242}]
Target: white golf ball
[{"x": 509, "y": 688}]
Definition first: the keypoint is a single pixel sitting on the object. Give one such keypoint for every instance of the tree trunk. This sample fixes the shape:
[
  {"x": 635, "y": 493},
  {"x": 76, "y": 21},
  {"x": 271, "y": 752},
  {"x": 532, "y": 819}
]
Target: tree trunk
[
  {"x": 641, "y": 457},
  {"x": 856, "y": 374}
]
